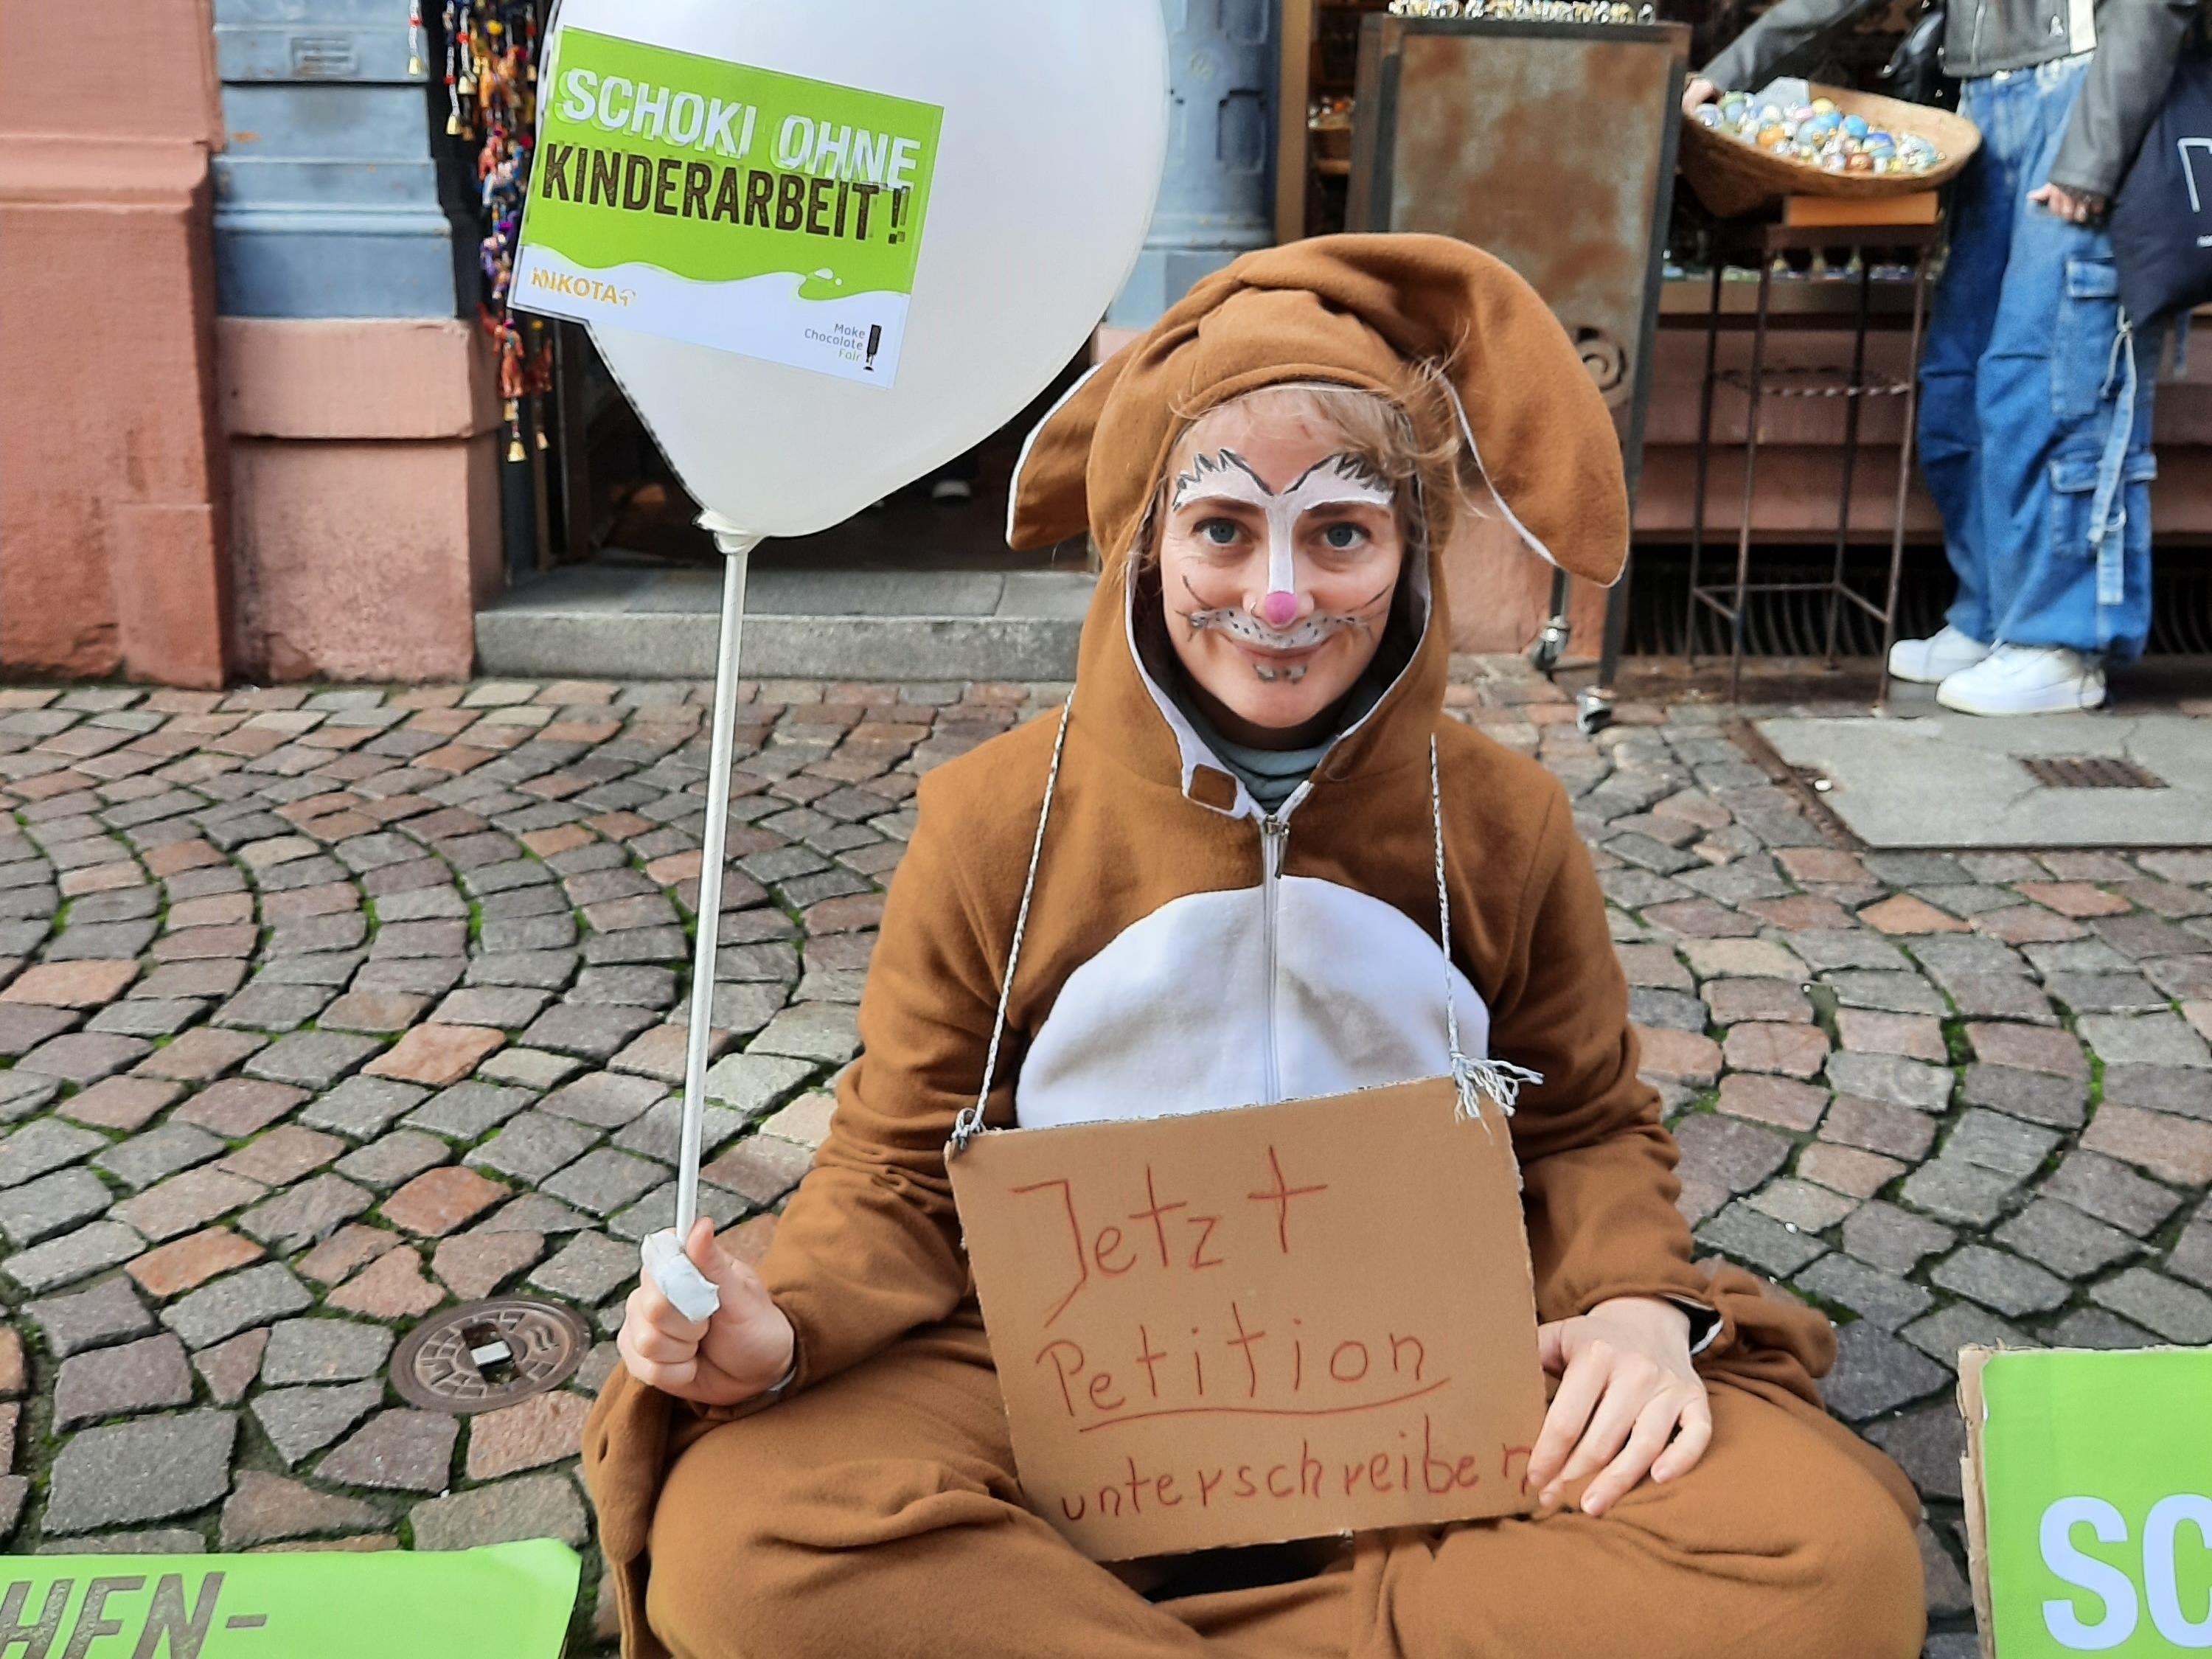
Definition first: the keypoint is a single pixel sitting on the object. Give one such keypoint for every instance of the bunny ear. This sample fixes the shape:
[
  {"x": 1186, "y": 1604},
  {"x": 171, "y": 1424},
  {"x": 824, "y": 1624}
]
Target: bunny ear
[
  {"x": 1049, "y": 499},
  {"x": 1529, "y": 413}
]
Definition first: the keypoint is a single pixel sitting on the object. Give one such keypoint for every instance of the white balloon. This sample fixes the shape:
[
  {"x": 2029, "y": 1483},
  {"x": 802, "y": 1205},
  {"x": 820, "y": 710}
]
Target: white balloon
[{"x": 1054, "y": 131}]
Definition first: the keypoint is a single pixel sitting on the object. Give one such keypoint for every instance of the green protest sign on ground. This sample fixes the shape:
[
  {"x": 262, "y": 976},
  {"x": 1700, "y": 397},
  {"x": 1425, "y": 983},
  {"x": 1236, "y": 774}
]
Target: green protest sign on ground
[
  {"x": 508, "y": 1601},
  {"x": 2089, "y": 1500},
  {"x": 725, "y": 204}
]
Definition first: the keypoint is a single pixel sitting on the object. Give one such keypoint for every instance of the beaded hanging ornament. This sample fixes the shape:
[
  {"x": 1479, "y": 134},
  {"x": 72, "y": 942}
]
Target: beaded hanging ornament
[{"x": 491, "y": 89}]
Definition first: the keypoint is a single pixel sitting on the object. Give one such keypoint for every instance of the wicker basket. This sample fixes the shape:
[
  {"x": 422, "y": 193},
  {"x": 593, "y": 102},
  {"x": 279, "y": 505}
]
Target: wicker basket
[{"x": 1732, "y": 177}]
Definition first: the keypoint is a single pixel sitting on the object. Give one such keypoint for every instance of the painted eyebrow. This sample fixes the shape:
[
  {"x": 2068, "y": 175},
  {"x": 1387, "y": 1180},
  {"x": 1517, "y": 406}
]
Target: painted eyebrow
[{"x": 1345, "y": 463}]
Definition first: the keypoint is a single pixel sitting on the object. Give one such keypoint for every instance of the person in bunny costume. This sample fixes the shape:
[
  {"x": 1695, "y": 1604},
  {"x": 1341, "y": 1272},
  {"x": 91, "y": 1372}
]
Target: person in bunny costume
[{"x": 1216, "y": 877}]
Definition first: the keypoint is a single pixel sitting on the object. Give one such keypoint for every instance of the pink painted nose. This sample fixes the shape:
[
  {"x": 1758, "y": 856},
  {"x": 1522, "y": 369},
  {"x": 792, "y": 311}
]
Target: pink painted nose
[{"x": 1279, "y": 608}]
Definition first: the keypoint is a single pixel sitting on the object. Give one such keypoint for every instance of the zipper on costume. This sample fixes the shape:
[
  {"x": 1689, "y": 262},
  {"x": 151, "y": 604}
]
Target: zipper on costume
[{"x": 1274, "y": 841}]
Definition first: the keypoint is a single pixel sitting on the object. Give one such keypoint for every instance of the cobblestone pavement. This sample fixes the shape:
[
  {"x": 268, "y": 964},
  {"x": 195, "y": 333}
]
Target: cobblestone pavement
[{"x": 322, "y": 1009}]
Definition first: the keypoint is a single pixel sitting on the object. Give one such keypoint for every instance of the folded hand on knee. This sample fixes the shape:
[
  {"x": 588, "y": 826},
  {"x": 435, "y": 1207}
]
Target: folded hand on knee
[{"x": 1629, "y": 1402}]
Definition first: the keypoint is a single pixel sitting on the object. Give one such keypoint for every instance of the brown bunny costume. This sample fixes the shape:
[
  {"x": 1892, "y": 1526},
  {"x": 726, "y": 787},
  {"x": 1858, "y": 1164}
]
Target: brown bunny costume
[{"x": 875, "y": 1511}]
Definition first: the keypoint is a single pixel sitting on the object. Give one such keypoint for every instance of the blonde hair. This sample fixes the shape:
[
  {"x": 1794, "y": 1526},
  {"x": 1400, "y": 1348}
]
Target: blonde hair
[{"x": 1378, "y": 428}]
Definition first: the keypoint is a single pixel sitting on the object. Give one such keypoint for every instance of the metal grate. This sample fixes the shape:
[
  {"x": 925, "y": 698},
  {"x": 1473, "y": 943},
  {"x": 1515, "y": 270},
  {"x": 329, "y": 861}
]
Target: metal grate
[
  {"x": 482, "y": 1355},
  {"x": 2090, "y": 772}
]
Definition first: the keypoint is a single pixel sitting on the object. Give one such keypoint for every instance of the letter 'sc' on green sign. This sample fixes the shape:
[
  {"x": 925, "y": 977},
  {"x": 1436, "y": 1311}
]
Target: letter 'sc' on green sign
[
  {"x": 2096, "y": 1477},
  {"x": 508, "y": 1602}
]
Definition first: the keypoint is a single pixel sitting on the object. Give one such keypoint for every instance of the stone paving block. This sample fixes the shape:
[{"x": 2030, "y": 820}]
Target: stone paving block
[
  {"x": 324, "y": 1351},
  {"x": 442, "y": 1199},
  {"x": 656, "y": 1211},
  {"x": 1733, "y": 1001},
  {"x": 2185, "y": 1092},
  {"x": 121, "y": 1381},
  {"x": 305, "y": 1214},
  {"x": 1956, "y": 1191},
  {"x": 2191, "y": 1256},
  {"x": 353, "y": 1246},
  {"x": 2177, "y": 1312},
  {"x": 302, "y": 1420},
  {"x": 1961, "y": 1325},
  {"x": 1765, "y": 1046},
  {"x": 269, "y": 1005},
  {"x": 1878, "y": 1126},
  {"x": 238, "y": 1107},
  {"x": 393, "y": 1159},
  {"x": 2060, "y": 1103},
  {"x": 22, "y": 1094},
  {"x": 41, "y": 1147},
  {"x": 52, "y": 1204},
  {"x": 186, "y": 1202},
  {"x": 1732, "y": 1155},
  {"x": 80, "y": 984},
  {"x": 258, "y": 1296},
  {"x": 1760, "y": 1242},
  {"x": 502, "y": 1007},
  {"x": 1891, "y": 1077},
  {"x": 373, "y": 1013},
  {"x": 468, "y": 1110},
  {"x": 391, "y": 1287},
  {"x": 142, "y": 1471},
  {"x": 657, "y": 1134},
  {"x": 436, "y": 1056},
  {"x": 2093, "y": 1327},
  {"x": 24, "y": 1027},
  {"x": 1997, "y": 1280},
  {"x": 361, "y": 1108},
  {"x": 588, "y": 1268},
  {"x": 2064, "y": 1240},
  {"x": 529, "y": 1506},
  {"x": 106, "y": 1314},
  {"x": 590, "y": 1031},
  {"x": 475, "y": 1265},
  {"x": 185, "y": 1264},
  {"x": 2159, "y": 1039},
  {"x": 266, "y": 1508},
  {"x": 532, "y": 1146},
  {"x": 311, "y": 1060},
  {"x": 820, "y": 1031},
  {"x": 74, "y": 1255},
  {"x": 761, "y": 1168},
  {"x": 1875, "y": 1374},
  {"x": 2174, "y": 1149},
  {"x": 283, "y": 1155},
  {"x": 2000, "y": 1143},
  {"x": 158, "y": 1153},
  {"x": 541, "y": 1430},
  {"x": 1882, "y": 1299},
  {"x": 1885, "y": 991},
  {"x": 605, "y": 1181},
  {"x": 201, "y": 1055},
  {"x": 605, "y": 1100},
  {"x": 398, "y": 1450},
  {"x": 2111, "y": 1192}
]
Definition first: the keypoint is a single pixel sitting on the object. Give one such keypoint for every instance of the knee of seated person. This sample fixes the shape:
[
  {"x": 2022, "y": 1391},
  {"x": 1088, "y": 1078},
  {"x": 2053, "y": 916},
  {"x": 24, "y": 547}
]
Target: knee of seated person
[{"x": 1859, "y": 1545}]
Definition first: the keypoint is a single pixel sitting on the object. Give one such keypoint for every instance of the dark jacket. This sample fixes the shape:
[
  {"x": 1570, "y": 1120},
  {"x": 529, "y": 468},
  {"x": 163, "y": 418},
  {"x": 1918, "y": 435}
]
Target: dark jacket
[{"x": 2137, "y": 43}]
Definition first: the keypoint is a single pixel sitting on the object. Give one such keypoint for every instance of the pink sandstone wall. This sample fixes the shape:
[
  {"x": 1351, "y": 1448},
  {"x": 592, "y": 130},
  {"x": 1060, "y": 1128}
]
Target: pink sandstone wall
[
  {"x": 111, "y": 511},
  {"x": 364, "y": 478}
]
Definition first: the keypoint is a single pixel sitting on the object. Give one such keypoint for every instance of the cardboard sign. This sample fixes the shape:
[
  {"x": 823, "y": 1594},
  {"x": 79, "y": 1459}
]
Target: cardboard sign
[
  {"x": 2088, "y": 1487},
  {"x": 725, "y": 205},
  {"x": 1273, "y": 1322},
  {"x": 508, "y": 1602}
]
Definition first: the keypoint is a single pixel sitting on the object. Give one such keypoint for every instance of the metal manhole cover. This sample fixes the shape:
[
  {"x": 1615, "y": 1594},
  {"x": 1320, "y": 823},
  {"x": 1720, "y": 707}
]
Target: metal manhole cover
[
  {"x": 483, "y": 1355},
  {"x": 2090, "y": 772}
]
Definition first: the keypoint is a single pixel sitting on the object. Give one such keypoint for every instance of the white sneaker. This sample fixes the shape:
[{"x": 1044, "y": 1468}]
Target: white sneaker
[
  {"x": 2025, "y": 679},
  {"x": 1935, "y": 659}
]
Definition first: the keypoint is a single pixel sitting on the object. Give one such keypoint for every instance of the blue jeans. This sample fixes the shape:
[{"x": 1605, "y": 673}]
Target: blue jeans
[{"x": 2035, "y": 406}]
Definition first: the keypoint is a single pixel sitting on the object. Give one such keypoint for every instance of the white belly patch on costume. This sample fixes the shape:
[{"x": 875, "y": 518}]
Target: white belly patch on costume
[{"x": 1177, "y": 1014}]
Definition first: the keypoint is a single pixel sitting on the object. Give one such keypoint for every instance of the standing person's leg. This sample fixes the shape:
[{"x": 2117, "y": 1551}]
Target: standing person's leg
[
  {"x": 1950, "y": 439},
  {"x": 1783, "y": 1543},
  {"x": 2065, "y": 404}
]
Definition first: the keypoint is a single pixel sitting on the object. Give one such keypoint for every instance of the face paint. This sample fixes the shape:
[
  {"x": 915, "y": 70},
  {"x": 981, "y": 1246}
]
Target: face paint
[{"x": 1342, "y": 479}]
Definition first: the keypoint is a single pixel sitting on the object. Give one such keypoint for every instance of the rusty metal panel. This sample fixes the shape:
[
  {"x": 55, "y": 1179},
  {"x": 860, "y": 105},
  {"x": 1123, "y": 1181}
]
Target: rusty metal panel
[{"x": 1549, "y": 145}]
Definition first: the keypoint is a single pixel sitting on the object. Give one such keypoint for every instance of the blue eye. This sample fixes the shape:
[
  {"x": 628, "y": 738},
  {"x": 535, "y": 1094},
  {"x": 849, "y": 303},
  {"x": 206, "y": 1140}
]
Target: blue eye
[
  {"x": 1342, "y": 536},
  {"x": 1221, "y": 532}
]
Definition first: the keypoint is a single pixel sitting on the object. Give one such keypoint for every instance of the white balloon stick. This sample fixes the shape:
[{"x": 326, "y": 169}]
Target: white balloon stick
[{"x": 667, "y": 1266}]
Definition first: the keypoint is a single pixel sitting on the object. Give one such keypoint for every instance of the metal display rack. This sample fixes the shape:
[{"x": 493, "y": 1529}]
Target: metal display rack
[{"x": 1854, "y": 385}]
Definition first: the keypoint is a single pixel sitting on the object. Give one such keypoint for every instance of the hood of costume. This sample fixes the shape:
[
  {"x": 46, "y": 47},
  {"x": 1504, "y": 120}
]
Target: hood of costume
[{"x": 1181, "y": 950}]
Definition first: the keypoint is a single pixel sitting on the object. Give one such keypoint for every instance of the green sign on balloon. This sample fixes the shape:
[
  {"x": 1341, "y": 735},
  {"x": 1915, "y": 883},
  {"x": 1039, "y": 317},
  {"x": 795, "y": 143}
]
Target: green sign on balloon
[
  {"x": 726, "y": 204},
  {"x": 2089, "y": 1500},
  {"x": 508, "y": 1602}
]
